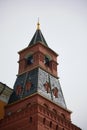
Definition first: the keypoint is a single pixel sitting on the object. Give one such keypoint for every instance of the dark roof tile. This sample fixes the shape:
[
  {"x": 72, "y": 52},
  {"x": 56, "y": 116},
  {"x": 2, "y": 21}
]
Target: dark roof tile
[{"x": 38, "y": 37}]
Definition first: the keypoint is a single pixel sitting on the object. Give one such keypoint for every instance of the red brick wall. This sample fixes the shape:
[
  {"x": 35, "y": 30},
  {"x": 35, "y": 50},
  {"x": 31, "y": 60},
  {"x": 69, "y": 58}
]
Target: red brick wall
[
  {"x": 36, "y": 113},
  {"x": 38, "y": 51}
]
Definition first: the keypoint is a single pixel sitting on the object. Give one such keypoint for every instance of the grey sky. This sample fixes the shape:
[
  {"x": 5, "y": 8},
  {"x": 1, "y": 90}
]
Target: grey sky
[{"x": 64, "y": 26}]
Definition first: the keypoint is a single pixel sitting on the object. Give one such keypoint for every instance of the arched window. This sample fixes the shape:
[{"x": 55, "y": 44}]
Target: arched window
[
  {"x": 50, "y": 124},
  {"x": 44, "y": 120},
  {"x": 30, "y": 119},
  {"x": 30, "y": 60},
  {"x": 46, "y": 61},
  {"x": 56, "y": 127}
]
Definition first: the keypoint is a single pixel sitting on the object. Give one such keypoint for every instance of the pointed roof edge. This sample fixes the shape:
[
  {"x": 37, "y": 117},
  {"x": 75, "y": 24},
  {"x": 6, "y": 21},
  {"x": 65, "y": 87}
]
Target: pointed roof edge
[
  {"x": 34, "y": 41},
  {"x": 38, "y": 37}
]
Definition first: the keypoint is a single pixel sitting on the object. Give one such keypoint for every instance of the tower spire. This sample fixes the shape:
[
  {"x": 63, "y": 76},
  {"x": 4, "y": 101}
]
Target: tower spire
[{"x": 38, "y": 25}]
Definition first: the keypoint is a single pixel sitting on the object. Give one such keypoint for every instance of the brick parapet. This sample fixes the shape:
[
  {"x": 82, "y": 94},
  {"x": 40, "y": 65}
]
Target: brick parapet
[{"x": 31, "y": 112}]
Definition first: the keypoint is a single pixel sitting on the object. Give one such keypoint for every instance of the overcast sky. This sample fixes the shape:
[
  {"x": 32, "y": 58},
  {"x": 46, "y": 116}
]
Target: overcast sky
[{"x": 64, "y": 26}]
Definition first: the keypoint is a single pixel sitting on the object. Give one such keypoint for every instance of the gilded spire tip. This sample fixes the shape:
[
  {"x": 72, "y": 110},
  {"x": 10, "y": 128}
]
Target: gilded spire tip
[{"x": 38, "y": 25}]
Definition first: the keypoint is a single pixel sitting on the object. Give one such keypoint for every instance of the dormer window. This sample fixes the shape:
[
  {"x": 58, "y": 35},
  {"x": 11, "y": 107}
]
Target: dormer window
[
  {"x": 47, "y": 87},
  {"x": 18, "y": 90},
  {"x": 55, "y": 92},
  {"x": 30, "y": 60},
  {"x": 28, "y": 86}
]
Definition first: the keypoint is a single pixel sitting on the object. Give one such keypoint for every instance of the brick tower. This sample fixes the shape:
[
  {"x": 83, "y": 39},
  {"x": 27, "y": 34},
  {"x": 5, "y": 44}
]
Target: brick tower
[{"x": 37, "y": 101}]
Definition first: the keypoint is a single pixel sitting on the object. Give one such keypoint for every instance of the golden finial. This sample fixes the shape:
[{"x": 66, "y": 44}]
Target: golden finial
[{"x": 38, "y": 25}]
